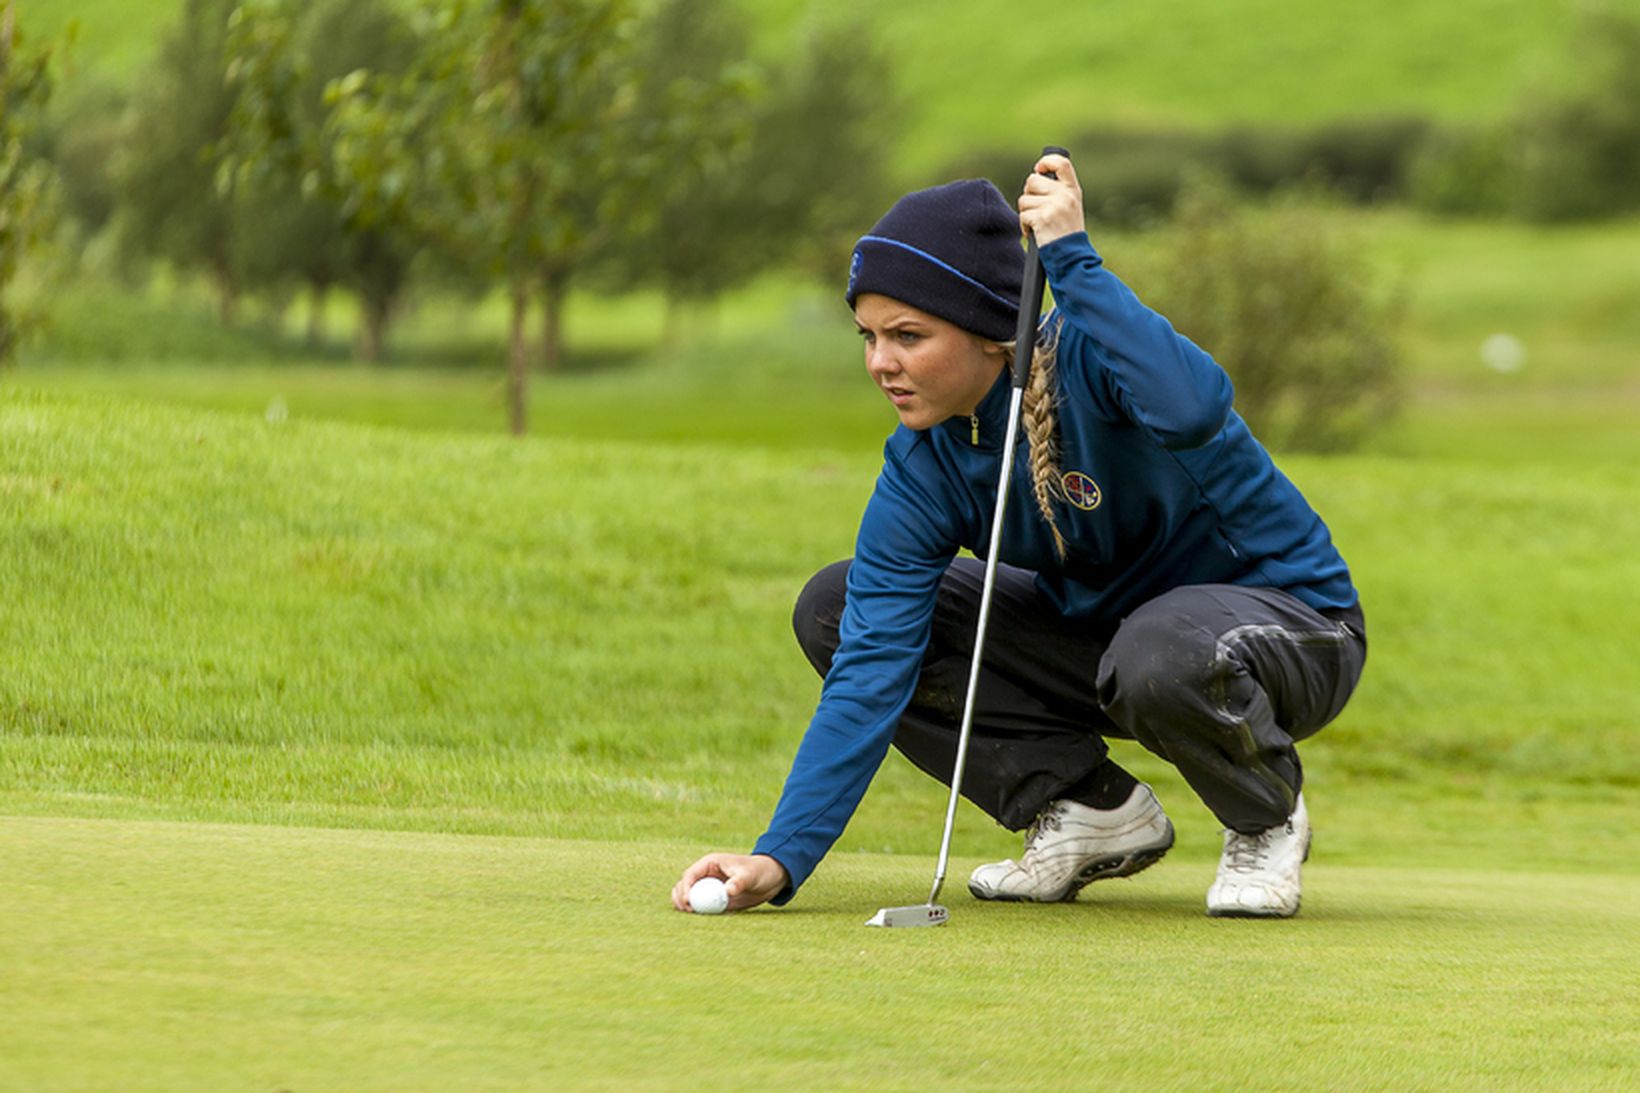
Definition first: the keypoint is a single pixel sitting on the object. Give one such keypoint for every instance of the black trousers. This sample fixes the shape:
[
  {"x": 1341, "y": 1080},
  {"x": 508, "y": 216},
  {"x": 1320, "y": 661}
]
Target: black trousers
[{"x": 1219, "y": 680}]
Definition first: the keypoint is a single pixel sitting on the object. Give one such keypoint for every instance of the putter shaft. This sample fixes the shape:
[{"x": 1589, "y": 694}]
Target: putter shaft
[
  {"x": 1011, "y": 436},
  {"x": 1030, "y": 315}
]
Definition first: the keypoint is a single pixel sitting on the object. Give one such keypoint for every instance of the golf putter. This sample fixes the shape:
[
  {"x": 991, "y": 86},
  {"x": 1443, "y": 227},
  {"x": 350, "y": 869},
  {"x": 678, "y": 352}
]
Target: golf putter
[{"x": 933, "y": 913}]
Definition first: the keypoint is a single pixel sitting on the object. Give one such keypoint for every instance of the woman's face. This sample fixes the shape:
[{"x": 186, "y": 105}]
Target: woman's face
[{"x": 930, "y": 369}]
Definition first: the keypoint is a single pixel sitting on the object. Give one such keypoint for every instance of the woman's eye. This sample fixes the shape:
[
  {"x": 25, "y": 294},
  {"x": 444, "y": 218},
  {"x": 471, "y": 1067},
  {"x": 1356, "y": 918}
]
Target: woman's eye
[{"x": 906, "y": 337}]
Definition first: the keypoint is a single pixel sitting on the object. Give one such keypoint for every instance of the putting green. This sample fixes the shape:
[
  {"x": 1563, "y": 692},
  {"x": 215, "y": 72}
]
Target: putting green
[{"x": 141, "y": 955}]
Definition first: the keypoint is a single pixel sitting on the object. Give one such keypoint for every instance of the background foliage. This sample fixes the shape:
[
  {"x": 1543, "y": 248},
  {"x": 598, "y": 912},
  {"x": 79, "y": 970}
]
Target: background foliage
[
  {"x": 27, "y": 182},
  {"x": 1292, "y": 310},
  {"x": 388, "y": 153}
]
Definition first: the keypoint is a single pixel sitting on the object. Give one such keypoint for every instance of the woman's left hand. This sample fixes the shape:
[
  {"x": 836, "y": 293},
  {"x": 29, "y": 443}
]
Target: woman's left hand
[{"x": 1051, "y": 207}]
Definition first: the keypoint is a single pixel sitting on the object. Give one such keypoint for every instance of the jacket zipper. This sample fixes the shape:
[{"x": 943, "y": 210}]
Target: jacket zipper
[{"x": 973, "y": 421}]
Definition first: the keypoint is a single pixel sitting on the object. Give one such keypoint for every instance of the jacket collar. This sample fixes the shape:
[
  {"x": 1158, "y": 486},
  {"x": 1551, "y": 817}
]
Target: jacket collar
[{"x": 992, "y": 413}]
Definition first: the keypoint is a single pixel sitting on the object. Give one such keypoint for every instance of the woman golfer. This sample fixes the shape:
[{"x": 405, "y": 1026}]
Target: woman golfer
[{"x": 1160, "y": 579}]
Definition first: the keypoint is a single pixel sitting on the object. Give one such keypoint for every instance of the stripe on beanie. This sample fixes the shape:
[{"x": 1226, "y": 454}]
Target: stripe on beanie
[{"x": 919, "y": 252}]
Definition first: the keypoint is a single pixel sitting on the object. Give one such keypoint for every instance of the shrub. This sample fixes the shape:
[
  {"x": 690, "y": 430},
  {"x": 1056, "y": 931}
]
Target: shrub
[
  {"x": 1464, "y": 171},
  {"x": 1578, "y": 146},
  {"x": 1133, "y": 177},
  {"x": 1289, "y": 309},
  {"x": 81, "y": 140},
  {"x": 1129, "y": 177},
  {"x": 28, "y": 186},
  {"x": 1365, "y": 159}
]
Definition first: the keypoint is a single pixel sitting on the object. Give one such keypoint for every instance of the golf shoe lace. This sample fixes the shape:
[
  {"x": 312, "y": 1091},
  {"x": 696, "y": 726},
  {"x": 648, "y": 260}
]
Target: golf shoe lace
[
  {"x": 1046, "y": 820},
  {"x": 1246, "y": 853}
]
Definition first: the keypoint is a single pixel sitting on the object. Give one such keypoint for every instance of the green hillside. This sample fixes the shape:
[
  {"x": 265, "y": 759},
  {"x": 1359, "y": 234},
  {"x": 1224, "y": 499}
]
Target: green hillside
[
  {"x": 216, "y": 616},
  {"x": 974, "y": 75},
  {"x": 971, "y": 76}
]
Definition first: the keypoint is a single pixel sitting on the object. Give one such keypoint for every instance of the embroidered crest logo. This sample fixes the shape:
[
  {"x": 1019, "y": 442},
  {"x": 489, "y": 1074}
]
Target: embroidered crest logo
[
  {"x": 1081, "y": 491},
  {"x": 853, "y": 272}
]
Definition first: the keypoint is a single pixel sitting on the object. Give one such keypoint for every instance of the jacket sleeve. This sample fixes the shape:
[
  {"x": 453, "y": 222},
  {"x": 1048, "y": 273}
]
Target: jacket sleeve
[
  {"x": 1126, "y": 359},
  {"x": 904, "y": 546}
]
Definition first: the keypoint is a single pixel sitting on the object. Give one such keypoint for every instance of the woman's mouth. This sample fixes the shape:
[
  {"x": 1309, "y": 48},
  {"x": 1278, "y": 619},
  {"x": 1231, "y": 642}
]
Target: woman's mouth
[{"x": 899, "y": 396}]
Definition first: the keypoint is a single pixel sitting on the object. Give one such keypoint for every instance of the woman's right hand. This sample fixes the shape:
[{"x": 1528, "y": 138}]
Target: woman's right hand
[
  {"x": 1050, "y": 206},
  {"x": 750, "y": 879}
]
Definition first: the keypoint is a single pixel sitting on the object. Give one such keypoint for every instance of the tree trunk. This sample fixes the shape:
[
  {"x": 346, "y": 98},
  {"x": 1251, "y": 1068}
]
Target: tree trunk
[
  {"x": 707, "y": 316},
  {"x": 518, "y": 358},
  {"x": 227, "y": 300},
  {"x": 373, "y": 317},
  {"x": 672, "y": 323},
  {"x": 227, "y": 290},
  {"x": 279, "y": 301},
  {"x": 318, "y": 294},
  {"x": 8, "y": 30},
  {"x": 7, "y": 336},
  {"x": 555, "y": 285}
]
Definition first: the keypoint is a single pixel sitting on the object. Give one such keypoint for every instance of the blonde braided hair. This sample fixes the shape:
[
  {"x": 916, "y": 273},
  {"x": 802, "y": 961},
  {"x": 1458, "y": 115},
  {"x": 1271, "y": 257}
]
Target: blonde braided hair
[{"x": 1041, "y": 422}]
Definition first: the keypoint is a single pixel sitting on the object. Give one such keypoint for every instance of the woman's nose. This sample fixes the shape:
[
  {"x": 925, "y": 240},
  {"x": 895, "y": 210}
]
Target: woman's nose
[{"x": 880, "y": 359}]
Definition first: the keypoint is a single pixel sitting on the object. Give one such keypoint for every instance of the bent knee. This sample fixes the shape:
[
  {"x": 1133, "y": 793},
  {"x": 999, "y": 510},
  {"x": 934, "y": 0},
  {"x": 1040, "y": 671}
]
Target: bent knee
[
  {"x": 1157, "y": 658},
  {"x": 819, "y": 611}
]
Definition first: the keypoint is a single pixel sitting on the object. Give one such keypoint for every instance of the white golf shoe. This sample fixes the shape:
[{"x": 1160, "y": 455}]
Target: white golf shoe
[
  {"x": 1260, "y": 875},
  {"x": 1071, "y": 845}
]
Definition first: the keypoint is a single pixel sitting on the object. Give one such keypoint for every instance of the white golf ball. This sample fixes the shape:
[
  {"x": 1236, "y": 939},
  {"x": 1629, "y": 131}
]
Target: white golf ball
[
  {"x": 1503, "y": 353},
  {"x": 708, "y": 896}
]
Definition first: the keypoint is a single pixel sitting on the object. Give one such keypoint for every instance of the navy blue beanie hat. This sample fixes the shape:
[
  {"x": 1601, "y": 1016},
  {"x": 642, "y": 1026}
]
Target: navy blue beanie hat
[{"x": 953, "y": 251}]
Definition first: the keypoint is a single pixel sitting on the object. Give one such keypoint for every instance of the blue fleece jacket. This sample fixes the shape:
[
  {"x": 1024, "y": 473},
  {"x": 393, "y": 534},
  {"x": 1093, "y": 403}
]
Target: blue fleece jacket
[{"x": 1174, "y": 491}]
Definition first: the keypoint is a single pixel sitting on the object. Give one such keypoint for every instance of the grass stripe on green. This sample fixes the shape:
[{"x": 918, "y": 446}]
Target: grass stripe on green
[{"x": 181, "y": 956}]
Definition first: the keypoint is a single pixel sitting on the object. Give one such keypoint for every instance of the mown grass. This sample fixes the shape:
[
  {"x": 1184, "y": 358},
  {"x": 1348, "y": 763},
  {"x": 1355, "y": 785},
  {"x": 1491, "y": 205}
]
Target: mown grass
[{"x": 184, "y": 956}]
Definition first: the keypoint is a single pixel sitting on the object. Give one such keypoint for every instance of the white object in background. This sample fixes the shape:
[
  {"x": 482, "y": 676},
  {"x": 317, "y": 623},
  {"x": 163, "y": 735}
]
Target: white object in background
[{"x": 1503, "y": 353}]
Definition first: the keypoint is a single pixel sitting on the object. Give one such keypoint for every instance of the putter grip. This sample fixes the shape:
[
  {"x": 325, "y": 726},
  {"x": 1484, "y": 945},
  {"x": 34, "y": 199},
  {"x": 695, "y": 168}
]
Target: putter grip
[{"x": 1030, "y": 298}]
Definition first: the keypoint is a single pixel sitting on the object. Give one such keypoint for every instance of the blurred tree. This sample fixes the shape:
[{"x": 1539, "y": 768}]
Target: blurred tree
[
  {"x": 785, "y": 167},
  {"x": 82, "y": 140},
  {"x": 823, "y": 155},
  {"x": 697, "y": 234},
  {"x": 1464, "y": 171},
  {"x": 675, "y": 103},
  {"x": 283, "y": 55},
  {"x": 515, "y": 104},
  {"x": 1569, "y": 151},
  {"x": 615, "y": 171},
  {"x": 1132, "y": 176},
  {"x": 1578, "y": 145},
  {"x": 1289, "y": 310},
  {"x": 172, "y": 207},
  {"x": 27, "y": 196},
  {"x": 517, "y": 140}
]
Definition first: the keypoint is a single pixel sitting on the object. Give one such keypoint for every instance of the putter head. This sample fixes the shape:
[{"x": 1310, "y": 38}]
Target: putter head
[{"x": 922, "y": 914}]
